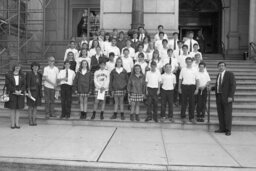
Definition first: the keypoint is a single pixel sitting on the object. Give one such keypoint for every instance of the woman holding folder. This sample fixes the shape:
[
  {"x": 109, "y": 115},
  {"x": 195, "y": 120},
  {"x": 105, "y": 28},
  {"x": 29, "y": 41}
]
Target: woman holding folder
[
  {"x": 15, "y": 87},
  {"x": 34, "y": 89}
]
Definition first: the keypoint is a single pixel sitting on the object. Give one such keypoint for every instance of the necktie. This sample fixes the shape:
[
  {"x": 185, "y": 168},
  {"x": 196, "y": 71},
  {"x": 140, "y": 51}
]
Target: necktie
[
  {"x": 190, "y": 45},
  {"x": 174, "y": 44},
  {"x": 179, "y": 53},
  {"x": 66, "y": 74},
  {"x": 219, "y": 84},
  {"x": 170, "y": 60}
]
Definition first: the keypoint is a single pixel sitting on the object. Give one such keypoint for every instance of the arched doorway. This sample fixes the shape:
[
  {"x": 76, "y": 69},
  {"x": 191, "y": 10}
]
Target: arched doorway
[{"x": 205, "y": 16}]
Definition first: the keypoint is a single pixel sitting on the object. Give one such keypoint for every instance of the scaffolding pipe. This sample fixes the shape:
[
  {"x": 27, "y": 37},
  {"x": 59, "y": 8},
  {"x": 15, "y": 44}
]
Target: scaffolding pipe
[{"x": 18, "y": 31}]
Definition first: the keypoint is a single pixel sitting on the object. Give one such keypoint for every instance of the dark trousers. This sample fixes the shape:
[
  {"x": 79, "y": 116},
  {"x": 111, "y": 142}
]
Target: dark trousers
[
  {"x": 188, "y": 97},
  {"x": 49, "y": 95},
  {"x": 176, "y": 94},
  {"x": 167, "y": 98},
  {"x": 66, "y": 96},
  {"x": 224, "y": 110},
  {"x": 152, "y": 102},
  {"x": 201, "y": 99}
]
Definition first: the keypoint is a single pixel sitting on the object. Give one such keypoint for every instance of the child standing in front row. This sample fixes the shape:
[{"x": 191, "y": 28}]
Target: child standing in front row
[
  {"x": 136, "y": 89},
  {"x": 153, "y": 79},
  {"x": 168, "y": 80},
  {"x": 66, "y": 77},
  {"x": 101, "y": 82},
  {"x": 118, "y": 86},
  {"x": 82, "y": 86}
]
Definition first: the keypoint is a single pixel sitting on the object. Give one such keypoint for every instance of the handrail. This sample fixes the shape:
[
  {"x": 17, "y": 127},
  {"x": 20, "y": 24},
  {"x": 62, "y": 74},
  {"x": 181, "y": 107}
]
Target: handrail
[
  {"x": 223, "y": 49},
  {"x": 208, "y": 108},
  {"x": 252, "y": 47}
]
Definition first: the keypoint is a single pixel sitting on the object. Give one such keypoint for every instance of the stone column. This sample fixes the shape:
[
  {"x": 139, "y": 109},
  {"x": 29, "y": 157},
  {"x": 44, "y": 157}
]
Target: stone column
[
  {"x": 233, "y": 35},
  {"x": 252, "y": 22},
  {"x": 137, "y": 13}
]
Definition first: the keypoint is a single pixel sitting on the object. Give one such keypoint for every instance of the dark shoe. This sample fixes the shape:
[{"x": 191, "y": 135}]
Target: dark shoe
[
  {"x": 81, "y": 115},
  {"x": 122, "y": 116},
  {"x": 93, "y": 115},
  {"x": 114, "y": 116},
  {"x": 148, "y": 119},
  {"x": 13, "y": 127},
  {"x": 131, "y": 117},
  {"x": 228, "y": 133},
  {"x": 219, "y": 131},
  {"x": 155, "y": 119},
  {"x": 35, "y": 124},
  {"x": 17, "y": 127},
  {"x": 85, "y": 115},
  {"x": 137, "y": 118},
  {"x": 101, "y": 116},
  {"x": 30, "y": 124}
]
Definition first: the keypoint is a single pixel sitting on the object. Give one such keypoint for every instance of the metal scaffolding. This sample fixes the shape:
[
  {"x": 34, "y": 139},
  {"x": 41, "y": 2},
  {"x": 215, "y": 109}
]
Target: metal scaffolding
[{"x": 22, "y": 26}]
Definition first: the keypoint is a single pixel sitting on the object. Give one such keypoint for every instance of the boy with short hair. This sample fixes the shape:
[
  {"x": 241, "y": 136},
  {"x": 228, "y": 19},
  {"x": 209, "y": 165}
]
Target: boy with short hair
[
  {"x": 168, "y": 81},
  {"x": 72, "y": 48},
  {"x": 153, "y": 79}
]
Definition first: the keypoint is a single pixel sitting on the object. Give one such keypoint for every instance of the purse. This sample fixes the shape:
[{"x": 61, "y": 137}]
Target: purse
[{"x": 4, "y": 97}]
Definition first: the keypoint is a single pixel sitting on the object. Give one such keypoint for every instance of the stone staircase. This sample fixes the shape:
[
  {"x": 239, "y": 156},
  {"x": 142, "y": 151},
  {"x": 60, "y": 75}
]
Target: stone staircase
[{"x": 244, "y": 108}]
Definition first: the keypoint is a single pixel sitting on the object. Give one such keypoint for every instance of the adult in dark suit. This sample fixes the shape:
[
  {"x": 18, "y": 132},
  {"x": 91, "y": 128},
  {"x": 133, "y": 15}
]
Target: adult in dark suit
[
  {"x": 15, "y": 84},
  {"x": 224, "y": 89},
  {"x": 34, "y": 89}
]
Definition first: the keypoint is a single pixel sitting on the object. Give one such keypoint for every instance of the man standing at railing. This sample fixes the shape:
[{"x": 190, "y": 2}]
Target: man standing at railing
[{"x": 225, "y": 89}]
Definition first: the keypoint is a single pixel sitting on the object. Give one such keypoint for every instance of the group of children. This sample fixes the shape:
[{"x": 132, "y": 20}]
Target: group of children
[{"x": 134, "y": 70}]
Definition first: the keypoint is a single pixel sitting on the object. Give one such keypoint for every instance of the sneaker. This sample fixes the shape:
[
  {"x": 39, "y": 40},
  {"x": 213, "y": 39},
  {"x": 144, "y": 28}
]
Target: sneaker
[
  {"x": 137, "y": 118},
  {"x": 85, "y": 115},
  {"x": 81, "y": 115},
  {"x": 114, "y": 116},
  {"x": 131, "y": 117}
]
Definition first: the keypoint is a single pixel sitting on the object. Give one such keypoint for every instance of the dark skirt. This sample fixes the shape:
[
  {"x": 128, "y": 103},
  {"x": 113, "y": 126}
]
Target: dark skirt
[
  {"x": 15, "y": 102},
  {"x": 36, "y": 95}
]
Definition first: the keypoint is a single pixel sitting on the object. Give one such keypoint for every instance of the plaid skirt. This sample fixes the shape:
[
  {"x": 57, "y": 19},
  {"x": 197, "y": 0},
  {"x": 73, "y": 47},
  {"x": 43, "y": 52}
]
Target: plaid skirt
[
  {"x": 136, "y": 97},
  {"x": 119, "y": 92},
  {"x": 96, "y": 93}
]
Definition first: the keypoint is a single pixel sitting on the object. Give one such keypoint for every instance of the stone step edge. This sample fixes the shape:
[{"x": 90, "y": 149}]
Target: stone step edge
[{"x": 58, "y": 164}]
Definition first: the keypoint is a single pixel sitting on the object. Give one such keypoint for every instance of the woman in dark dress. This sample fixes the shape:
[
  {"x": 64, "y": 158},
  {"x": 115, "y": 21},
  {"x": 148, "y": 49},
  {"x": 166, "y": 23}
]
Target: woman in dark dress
[
  {"x": 34, "y": 90},
  {"x": 15, "y": 84}
]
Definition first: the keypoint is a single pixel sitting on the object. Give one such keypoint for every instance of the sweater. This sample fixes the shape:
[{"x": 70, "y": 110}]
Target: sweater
[
  {"x": 118, "y": 81},
  {"x": 101, "y": 79},
  {"x": 82, "y": 83},
  {"x": 136, "y": 84}
]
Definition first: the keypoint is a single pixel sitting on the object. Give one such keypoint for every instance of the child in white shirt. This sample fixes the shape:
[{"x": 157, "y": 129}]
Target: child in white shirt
[
  {"x": 101, "y": 82},
  {"x": 168, "y": 81}
]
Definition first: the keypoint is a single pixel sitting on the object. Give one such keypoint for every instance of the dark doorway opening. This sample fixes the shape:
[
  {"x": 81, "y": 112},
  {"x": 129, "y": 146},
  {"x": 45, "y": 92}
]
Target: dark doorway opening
[{"x": 202, "y": 16}]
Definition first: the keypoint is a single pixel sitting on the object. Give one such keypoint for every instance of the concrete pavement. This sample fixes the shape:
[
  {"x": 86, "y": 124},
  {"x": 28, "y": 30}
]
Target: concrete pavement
[{"x": 138, "y": 148}]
